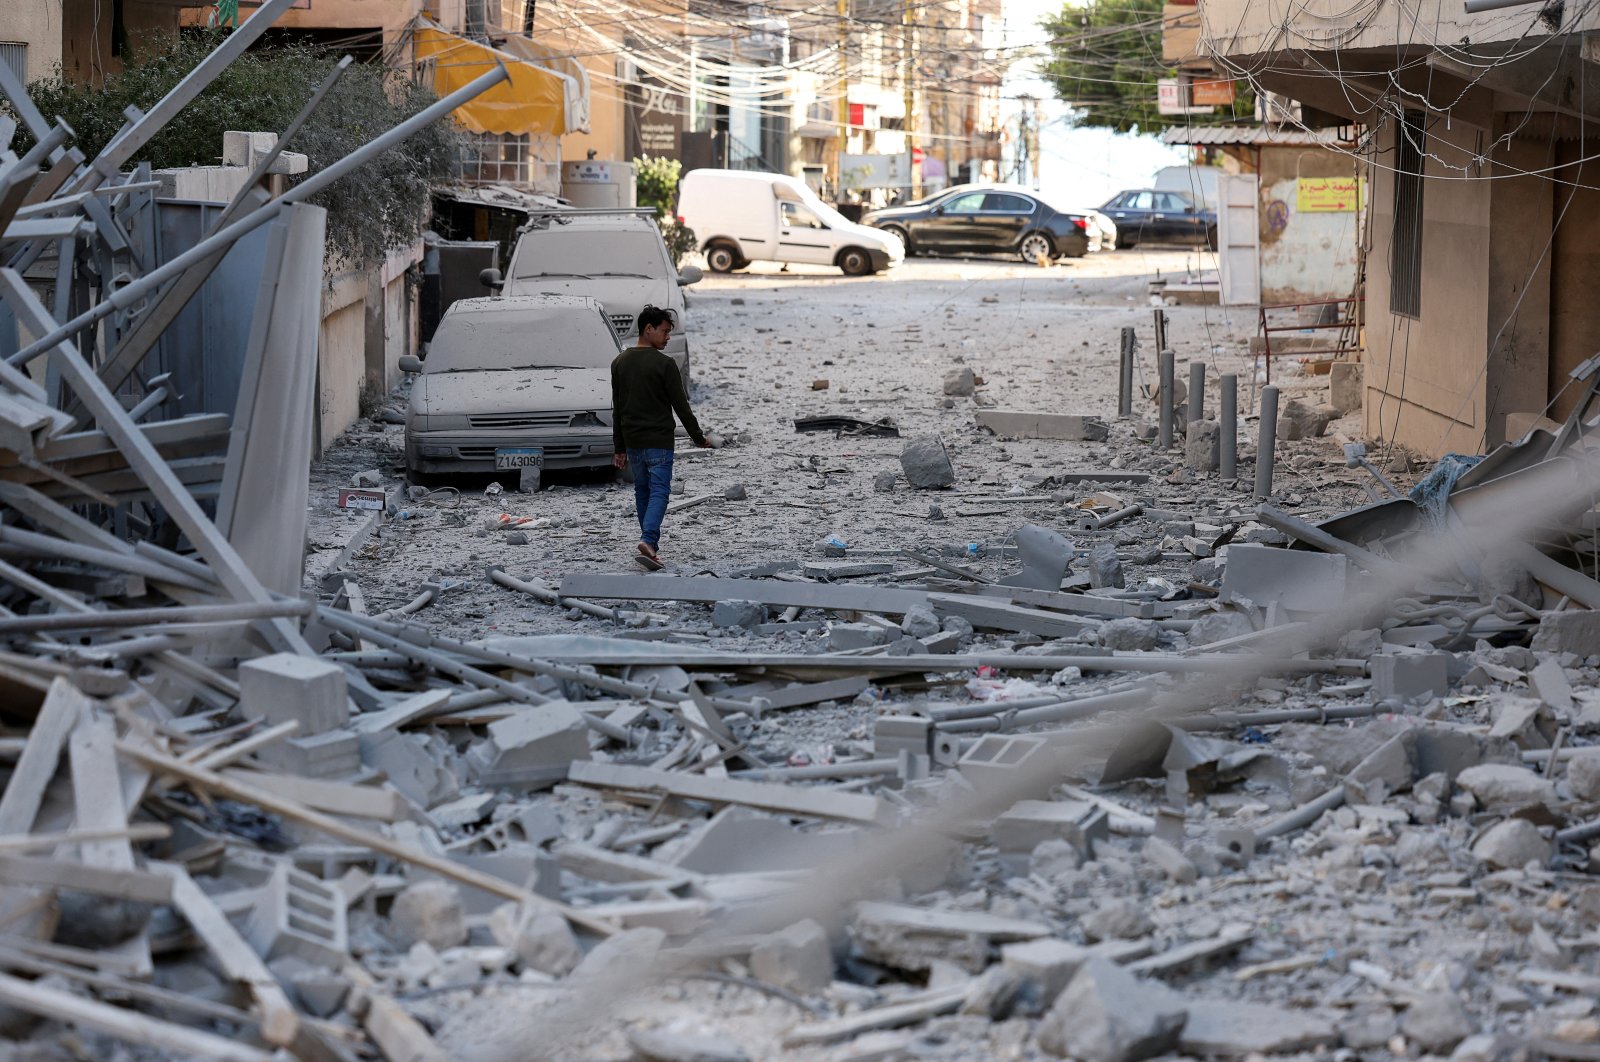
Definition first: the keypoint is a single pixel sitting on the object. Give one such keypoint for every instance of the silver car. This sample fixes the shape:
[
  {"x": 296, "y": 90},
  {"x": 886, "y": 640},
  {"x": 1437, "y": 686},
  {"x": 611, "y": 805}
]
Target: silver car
[{"x": 521, "y": 381}]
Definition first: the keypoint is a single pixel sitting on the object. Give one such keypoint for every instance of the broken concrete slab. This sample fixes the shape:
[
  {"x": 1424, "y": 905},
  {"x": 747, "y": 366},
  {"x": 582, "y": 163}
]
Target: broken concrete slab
[
  {"x": 429, "y": 912},
  {"x": 1047, "y": 962},
  {"x": 1067, "y": 427},
  {"x": 1410, "y": 676},
  {"x": 798, "y": 957},
  {"x": 1512, "y": 844},
  {"x": 914, "y": 938},
  {"x": 1506, "y": 787},
  {"x": 1575, "y": 631},
  {"x": 961, "y": 382},
  {"x": 288, "y": 686},
  {"x": 534, "y": 746},
  {"x": 732, "y": 613},
  {"x": 1296, "y": 580},
  {"x": 1345, "y": 386},
  {"x": 1222, "y": 1028},
  {"x": 1105, "y": 1014}
]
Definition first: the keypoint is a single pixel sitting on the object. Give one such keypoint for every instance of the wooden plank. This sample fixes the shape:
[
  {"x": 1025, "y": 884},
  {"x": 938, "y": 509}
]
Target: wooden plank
[
  {"x": 136, "y": 885},
  {"x": 811, "y": 802},
  {"x": 237, "y": 959},
  {"x": 908, "y": 1012},
  {"x": 999, "y": 615},
  {"x": 338, "y": 798},
  {"x": 127, "y": 1025},
  {"x": 153, "y": 831},
  {"x": 234, "y": 789},
  {"x": 771, "y": 592},
  {"x": 63, "y": 707}
]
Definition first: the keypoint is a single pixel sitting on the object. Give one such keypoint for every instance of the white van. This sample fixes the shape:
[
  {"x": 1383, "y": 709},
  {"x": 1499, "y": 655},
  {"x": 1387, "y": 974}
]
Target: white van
[{"x": 741, "y": 216}]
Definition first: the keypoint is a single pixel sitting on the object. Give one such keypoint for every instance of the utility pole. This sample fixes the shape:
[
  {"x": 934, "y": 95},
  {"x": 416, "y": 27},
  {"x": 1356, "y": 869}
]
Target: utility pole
[
  {"x": 908, "y": 31},
  {"x": 844, "y": 97}
]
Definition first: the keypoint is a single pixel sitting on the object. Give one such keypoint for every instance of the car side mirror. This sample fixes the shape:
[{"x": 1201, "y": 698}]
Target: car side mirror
[
  {"x": 690, "y": 274},
  {"x": 410, "y": 363},
  {"x": 491, "y": 279},
  {"x": 1188, "y": 210},
  {"x": 938, "y": 210}
]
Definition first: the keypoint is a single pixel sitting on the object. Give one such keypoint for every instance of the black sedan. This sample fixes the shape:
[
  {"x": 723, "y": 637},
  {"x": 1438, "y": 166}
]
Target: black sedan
[
  {"x": 1155, "y": 215},
  {"x": 986, "y": 219}
]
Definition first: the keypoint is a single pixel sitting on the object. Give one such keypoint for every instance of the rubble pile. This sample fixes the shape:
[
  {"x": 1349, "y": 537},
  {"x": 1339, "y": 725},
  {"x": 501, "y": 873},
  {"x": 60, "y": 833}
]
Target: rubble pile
[{"x": 1136, "y": 781}]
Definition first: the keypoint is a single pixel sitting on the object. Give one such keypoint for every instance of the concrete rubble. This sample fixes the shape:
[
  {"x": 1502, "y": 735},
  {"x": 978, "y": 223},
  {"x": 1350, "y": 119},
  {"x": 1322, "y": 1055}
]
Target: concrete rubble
[{"x": 1152, "y": 769}]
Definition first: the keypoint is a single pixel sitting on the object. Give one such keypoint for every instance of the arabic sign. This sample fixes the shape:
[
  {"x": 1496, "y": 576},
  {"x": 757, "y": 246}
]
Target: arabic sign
[
  {"x": 1211, "y": 93},
  {"x": 1329, "y": 195}
]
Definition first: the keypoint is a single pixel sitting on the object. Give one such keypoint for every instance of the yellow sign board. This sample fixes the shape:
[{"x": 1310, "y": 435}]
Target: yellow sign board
[{"x": 1329, "y": 195}]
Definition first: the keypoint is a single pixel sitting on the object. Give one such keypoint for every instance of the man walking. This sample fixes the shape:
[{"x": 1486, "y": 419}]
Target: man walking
[{"x": 646, "y": 390}]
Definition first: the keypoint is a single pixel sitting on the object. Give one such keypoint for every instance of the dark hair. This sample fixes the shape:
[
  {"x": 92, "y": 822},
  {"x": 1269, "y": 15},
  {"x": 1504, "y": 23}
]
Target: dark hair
[{"x": 651, "y": 316}]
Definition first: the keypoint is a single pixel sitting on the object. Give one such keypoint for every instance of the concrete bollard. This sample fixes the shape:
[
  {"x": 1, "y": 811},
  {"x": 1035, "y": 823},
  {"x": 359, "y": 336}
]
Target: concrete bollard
[
  {"x": 1164, "y": 430},
  {"x": 1197, "y": 391},
  {"x": 1228, "y": 427},
  {"x": 1267, "y": 440},
  {"x": 1130, "y": 340}
]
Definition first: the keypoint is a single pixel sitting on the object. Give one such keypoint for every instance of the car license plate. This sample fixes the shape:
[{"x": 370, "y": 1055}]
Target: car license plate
[{"x": 514, "y": 457}]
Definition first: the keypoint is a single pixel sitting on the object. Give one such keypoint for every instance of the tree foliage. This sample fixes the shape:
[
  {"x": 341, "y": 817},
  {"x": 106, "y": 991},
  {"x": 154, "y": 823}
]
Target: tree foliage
[
  {"x": 1105, "y": 60},
  {"x": 656, "y": 185},
  {"x": 382, "y": 205}
]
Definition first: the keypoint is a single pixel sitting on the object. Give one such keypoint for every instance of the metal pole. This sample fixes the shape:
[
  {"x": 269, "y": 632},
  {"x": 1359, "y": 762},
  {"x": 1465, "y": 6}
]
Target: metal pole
[
  {"x": 130, "y": 295},
  {"x": 1161, "y": 330},
  {"x": 1228, "y": 426},
  {"x": 1266, "y": 441},
  {"x": 1130, "y": 340},
  {"x": 1164, "y": 429},
  {"x": 1197, "y": 391}
]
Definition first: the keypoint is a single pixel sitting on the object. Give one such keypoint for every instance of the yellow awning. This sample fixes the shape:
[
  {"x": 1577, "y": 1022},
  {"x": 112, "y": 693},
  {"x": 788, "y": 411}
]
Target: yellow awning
[{"x": 532, "y": 101}]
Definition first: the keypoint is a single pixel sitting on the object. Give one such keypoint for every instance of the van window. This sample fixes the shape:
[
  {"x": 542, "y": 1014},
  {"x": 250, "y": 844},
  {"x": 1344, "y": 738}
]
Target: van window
[
  {"x": 592, "y": 252},
  {"x": 798, "y": 216}
]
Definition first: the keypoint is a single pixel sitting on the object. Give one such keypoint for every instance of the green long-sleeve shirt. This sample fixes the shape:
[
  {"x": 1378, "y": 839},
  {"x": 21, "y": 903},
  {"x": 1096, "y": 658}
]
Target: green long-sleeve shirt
[{"x": 646, "y": 389}]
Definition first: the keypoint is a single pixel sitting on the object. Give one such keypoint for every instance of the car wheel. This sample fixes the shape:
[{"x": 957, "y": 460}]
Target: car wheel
[
  {"x": 1035, "y": 246},
  {"x": 1211, "y": 238},
  {"x": 905, "y": 237},
  {"x": 855, "y": 262},
  {"x": 722, "y": 258}
]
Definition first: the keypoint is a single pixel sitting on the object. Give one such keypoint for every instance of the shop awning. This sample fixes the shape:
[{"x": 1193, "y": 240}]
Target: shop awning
[{"x": 533, "y": 101}]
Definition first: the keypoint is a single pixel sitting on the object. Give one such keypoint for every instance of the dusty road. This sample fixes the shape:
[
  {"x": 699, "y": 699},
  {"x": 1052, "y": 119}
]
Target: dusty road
[{"x": 1039, "y": 339}]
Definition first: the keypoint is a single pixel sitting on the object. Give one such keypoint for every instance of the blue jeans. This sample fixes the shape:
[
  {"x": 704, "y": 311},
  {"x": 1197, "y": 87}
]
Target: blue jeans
[{"x": 652, "y": 486}]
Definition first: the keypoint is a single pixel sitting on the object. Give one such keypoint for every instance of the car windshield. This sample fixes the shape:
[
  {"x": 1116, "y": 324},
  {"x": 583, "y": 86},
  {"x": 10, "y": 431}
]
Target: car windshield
[
  {"x": 522, "y": 338},
  {"x": 587, "y": 253}
]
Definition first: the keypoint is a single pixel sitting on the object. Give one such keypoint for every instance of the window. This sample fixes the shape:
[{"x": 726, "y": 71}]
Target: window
[
  {"x": 798, "y": 216},
  {"x": 970, "y": 203},
  {"x": 15, "y": 56},
  {"x": 1173, "y": 204},
  {"x": 1142, "y": 201},
  {"x": 1009, "y": 204},
  {"x": 1405, "y": 253}
]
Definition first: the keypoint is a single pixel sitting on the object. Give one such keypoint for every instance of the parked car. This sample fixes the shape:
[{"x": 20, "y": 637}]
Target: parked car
[
  {"x": 990, "y": 219},
  {"x": 742, "y": 216},
  {"x": 1151, "y": 215},
  {"x": 614, "y": 256},
  {"x": 512, "y": 382}
]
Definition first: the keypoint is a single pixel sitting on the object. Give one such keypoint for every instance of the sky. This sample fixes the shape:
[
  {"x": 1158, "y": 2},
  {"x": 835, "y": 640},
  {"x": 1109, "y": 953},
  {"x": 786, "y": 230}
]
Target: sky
[{"x": 1079, "y": 167}]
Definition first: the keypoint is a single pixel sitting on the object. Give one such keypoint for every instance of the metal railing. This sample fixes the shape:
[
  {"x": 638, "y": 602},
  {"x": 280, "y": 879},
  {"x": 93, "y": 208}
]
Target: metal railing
[{"x": 1348, "y": 326}]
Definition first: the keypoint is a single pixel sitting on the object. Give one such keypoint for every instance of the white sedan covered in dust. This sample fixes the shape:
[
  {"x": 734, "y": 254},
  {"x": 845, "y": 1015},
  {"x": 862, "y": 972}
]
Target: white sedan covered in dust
[{"x": 522, "y": 381}]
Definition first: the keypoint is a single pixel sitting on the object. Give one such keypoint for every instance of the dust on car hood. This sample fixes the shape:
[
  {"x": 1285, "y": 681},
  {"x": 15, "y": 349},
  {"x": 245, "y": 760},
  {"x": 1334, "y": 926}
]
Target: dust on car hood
[{"x": 513, "y": 391}]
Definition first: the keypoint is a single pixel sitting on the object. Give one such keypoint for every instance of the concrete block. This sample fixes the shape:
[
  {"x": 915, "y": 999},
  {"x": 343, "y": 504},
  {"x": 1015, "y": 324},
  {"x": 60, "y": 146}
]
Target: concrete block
[
  {"x": 993, "y": 759},
  {"x": 1575, "y": 631},
  {"x": 331, "y": 755},
  {"x": 1069, "y": 427},
  {"x": 914, "y": 938},
  {"x": 299, "y": 914},
  {"x": 1105, "y": 1014},
  {"x": 534, "y": 747},
  {"x": 1410, "y": 675},
  {"x": 287, "y": 686},
  {"x": 1027, "y": 823},
  {"x": 1297, "y": 580},
  {"x": 1518, "y": 425},
  {"x": 1512, "y": 844},
  {"x": 430, "y": 912},
  {"x": 1202, "y": 446},
  {"x": 1049, "y": 963},
  {"x": 797, "y": 957},
  {"x": 842, "y": 636},
  {"x": 893, "y": 733},
  {"x": 1345, "y": 386},
  {"x": 539, "y": 936},
  {"x": 240, "y": 148},
  {"x": 747, "y": 614},
  {"x": 738, "y": 840},
  {"x": 405, "y": 761},
  {"x": 960, "y": 383}
]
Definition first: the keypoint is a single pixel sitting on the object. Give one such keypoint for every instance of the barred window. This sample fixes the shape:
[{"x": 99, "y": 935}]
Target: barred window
[{"x": 1405, "y": 252}]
